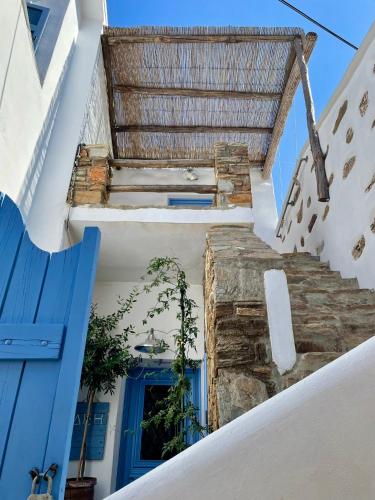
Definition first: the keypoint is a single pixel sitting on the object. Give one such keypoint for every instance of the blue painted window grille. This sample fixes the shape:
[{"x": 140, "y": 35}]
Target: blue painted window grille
[
  {"x": 96, "y": 432},
  {"x": 37, "y": 19},
  {"x": 190, "y": 202}
]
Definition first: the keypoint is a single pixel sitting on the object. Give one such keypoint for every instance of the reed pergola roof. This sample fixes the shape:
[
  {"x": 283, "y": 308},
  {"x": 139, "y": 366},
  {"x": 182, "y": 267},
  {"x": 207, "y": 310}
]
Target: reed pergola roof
[{"x": 174, "y": 92}]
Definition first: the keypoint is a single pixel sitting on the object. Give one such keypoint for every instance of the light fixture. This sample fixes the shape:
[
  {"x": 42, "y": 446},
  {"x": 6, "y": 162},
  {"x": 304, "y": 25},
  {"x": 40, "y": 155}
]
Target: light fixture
[
  {"x": 151, "y": 344},
  {"x": 190, "y": 175}
]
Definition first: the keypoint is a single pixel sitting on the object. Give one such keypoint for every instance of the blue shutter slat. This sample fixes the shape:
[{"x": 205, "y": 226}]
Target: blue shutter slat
[{"x": 96, "y": 433}]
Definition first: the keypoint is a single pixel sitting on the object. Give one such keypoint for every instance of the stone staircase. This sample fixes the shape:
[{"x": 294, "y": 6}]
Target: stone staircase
[{"x": 330, "y": 316}]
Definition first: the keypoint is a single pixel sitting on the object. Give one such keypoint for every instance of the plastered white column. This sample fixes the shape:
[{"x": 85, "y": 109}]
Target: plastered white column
[{"x": 279, "y": 320}]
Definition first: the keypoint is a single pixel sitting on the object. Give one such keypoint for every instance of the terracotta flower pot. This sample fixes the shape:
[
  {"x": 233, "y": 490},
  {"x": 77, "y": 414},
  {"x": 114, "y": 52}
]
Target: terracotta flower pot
[{"x": 82, "y": 489}]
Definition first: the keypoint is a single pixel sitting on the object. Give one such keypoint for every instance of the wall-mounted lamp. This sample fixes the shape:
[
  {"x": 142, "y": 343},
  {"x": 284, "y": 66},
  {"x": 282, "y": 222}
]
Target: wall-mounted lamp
[
  {"x": 190, "y": 175},
  {"x": 151, "y": 344}
]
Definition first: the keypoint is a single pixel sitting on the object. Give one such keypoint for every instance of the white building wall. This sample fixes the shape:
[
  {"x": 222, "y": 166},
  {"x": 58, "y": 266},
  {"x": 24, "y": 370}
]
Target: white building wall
[
  {"x": 264, "y": 207},
  {"x": 106, "y": 295},
  {"x": 43, "y": 100},
  {"x": 28, "y": 107},
  {"x": 352, "y": 205},
  {"x": 313, "y": 441},
  {"x": 96, "y": 128}
]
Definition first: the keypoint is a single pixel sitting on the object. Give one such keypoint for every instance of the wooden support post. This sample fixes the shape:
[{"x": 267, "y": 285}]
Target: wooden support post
[
  {"x": 316, "y": 149},
  {"x": 292, "y": 81}
]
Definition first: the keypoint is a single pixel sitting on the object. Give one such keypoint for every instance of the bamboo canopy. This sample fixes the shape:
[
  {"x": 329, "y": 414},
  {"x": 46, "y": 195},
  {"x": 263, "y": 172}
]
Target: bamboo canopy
[{"x": 174, "y": 92}]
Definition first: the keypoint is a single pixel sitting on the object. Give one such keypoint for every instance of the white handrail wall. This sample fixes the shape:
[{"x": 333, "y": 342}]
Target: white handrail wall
[{"x": 315, "y": 440}]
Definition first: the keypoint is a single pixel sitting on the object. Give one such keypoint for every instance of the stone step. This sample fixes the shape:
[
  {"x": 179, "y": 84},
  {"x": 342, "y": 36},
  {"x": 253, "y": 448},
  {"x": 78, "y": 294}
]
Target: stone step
[
  {"x": 297, "y": 277},
  {"x": 351, "y": 299},
  {"x": 307, "y": 364},
  {"x": 365, "y": 317},
  {"x": 317, "y": 337},
  {"x": 329, "y": 285},
  {"x": 312, "y": 361},
  {"x": 300, "y": 256},
  {"x": 302, "y": 262}
]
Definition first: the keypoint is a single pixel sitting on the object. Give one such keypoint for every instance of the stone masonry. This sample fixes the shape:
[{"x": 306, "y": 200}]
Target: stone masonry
[
  {"x": 91, "y": 175},
  {"x": 330, "y": 316},
  {"x": 232, "y": 170}
]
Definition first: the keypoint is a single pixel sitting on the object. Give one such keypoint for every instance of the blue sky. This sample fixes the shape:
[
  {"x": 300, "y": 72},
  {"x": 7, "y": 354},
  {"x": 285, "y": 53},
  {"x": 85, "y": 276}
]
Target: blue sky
[{"x": 327, "y": 65}]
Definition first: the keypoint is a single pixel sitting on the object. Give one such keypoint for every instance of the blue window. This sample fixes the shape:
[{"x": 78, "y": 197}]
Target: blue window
[
  {"x": 37, "y": 19},
  {"x": 190, "y": 202}
]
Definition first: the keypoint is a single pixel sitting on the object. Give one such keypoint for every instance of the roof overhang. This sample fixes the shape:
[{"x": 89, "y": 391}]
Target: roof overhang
[{"x": 174, "y": 92}]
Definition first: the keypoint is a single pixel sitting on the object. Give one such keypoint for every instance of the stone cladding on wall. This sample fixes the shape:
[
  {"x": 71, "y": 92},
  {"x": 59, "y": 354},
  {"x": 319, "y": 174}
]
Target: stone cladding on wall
[
  {"x": 232, "y": 170},
  {"x": 91, "y": 176},
  {"x": 330, "y": 316}
]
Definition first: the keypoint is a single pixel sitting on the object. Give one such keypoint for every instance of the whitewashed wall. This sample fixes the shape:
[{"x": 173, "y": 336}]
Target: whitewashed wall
[
  {"x": 42, "y": 107},
  {"x": 105, "y": 296},
  {"x": 351, "y": 212},
  {"x": 172, "y": 176},
  {"x": 28, "y": 107},
  {"x": 313, "y": 441},
  {"x": 96, "y": 128}
]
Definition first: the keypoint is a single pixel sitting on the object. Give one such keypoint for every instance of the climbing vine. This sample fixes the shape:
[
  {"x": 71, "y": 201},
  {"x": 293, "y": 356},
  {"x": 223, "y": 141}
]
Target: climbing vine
[{"x": 176, "y": 412}]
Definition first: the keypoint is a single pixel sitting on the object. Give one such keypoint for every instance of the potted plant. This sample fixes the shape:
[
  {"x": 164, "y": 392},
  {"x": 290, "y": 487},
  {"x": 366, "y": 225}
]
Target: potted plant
[{"x": 107, "y": 358}]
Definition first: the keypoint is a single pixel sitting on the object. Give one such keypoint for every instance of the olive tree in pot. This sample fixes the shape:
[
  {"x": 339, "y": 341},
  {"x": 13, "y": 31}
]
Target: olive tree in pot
[{"x": 107, "y": 358}]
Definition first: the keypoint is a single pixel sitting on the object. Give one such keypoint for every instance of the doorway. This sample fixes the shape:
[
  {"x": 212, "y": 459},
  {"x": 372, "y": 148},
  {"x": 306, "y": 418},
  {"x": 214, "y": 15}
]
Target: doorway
[{"x": 141, "y": 450}]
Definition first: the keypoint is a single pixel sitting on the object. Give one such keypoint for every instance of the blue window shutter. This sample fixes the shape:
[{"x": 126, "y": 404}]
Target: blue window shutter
[
  {"x": 96, "y": 432},
  {"x": 190, "y": 202},
  {"x": 37, "y": 19}
]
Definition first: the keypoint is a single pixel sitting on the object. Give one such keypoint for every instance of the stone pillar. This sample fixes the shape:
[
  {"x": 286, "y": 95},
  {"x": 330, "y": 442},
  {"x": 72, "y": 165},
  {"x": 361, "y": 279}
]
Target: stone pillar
[
  {"x": 91, "y": 176},
  {"x": 240, "y": 369},
  {"x": 232, "y": 170}
]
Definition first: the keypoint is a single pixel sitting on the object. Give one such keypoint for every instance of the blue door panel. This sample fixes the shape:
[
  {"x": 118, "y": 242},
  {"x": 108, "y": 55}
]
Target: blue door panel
[
  {"x": 47, "y": 298},
  {"x": 131, "y": 466}
]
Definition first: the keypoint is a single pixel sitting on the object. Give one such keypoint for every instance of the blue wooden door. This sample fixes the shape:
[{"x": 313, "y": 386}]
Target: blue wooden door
[
  {"x": 140, "y": 452},
  {"x": 44, "y": 307}
]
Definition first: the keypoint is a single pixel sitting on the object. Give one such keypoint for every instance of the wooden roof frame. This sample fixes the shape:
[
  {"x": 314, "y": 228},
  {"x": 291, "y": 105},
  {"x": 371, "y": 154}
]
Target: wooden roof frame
[{"x": 286, "y": 97}]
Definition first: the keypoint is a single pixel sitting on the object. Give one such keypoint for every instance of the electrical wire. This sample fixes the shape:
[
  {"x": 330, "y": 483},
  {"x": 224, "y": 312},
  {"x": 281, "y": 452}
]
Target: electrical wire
[{"x": 319, "y": 24}]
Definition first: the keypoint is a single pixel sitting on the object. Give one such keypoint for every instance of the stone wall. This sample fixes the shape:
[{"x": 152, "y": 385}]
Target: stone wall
[
  {"x": 237, "y": 340},
  {"x": 91, "y": 176},
  {"x": 232, "y": 169},
  {"x": 330, "y": 316}
]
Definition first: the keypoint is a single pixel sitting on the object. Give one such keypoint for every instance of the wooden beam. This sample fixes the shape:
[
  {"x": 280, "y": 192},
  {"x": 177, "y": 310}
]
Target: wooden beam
[
  {"x": 286, "y": 102},
  {"x": 111, "y": 104},
  {"x": 152, "y": 188},
  {"x": 315, "y": 146},
  {"x": 235, "y": 38},
  {"x": 189, "y": 92},
  {"x": 177, "y": 163},
  {"x": 170, "y": 163},
  {"x": 191, "y": 129}
]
